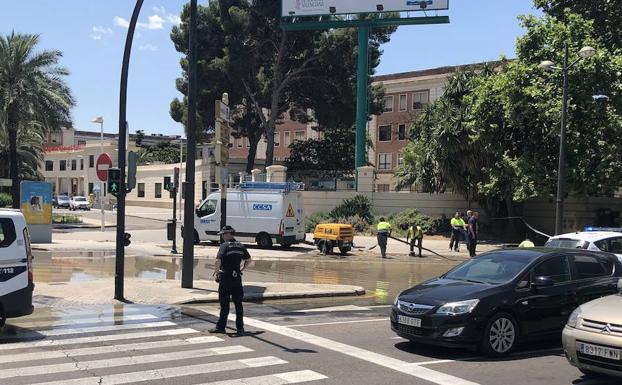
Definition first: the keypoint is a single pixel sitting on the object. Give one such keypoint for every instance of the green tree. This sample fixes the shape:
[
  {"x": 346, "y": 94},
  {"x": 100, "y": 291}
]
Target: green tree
[
  {"x": 33, "y": 94},
  {"x": 139, "y": 137},
  {"x": 162, "y": 152}
]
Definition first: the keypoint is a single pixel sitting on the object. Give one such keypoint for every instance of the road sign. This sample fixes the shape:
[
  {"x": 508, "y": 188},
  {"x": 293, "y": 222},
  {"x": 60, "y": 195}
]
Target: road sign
[
  {"x": 293, "y": 8},
  {"x": 104, "y": 162},
  {"x": 223, "y": 111}
]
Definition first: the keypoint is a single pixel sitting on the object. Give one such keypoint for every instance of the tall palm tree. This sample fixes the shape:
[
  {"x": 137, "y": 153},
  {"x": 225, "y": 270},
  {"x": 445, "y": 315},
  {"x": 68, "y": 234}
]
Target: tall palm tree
[{"x": 33, "y": 94}]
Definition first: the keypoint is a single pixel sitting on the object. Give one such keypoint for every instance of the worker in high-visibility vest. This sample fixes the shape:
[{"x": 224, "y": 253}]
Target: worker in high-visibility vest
[
  {"x": 527, "y": 243},
  {"x": 415, "y": 234},
  {"x": 384, "y": 231}
]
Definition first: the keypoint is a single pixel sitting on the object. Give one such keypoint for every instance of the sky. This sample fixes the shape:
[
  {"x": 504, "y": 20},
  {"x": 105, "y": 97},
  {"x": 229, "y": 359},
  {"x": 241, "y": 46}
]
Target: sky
[{"x": 91, "y": 35}]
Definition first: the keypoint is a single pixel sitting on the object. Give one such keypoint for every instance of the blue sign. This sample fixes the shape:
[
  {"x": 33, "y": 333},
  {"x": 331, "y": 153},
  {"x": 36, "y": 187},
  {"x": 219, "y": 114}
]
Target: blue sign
[
  {"x": 262, "y": 207},
  {"x": 36, "y": 202}
]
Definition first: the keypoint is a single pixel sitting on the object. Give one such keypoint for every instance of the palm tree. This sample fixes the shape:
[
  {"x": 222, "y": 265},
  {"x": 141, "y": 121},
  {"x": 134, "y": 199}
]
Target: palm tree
[{"x": 33, "y": 94}]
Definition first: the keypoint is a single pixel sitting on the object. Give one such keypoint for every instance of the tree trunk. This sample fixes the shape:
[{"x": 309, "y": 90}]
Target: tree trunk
[
  {"x": 270, "y": 143},
  {"x": 13, "y": 164},
  {"x": 252, "y": 152}
]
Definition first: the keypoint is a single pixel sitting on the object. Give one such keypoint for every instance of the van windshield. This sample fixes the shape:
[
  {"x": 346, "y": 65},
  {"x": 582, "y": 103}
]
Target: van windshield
[{"x": 207, "y": 208}]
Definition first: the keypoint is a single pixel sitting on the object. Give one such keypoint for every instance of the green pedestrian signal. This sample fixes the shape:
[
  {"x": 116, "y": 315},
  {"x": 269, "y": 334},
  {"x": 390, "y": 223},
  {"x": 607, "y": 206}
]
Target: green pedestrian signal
[{"x": 114, "y": 181}]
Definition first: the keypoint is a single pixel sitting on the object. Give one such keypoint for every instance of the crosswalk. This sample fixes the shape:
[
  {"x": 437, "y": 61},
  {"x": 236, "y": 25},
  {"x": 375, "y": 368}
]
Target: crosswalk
[{"x": 136, "y": 346}]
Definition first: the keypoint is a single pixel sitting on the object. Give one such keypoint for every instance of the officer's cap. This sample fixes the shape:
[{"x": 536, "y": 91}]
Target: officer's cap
[{"x": 227, "y": 230}]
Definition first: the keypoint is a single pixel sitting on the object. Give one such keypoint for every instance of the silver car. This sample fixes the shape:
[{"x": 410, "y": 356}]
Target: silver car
[{"x": 592, "y": 338}]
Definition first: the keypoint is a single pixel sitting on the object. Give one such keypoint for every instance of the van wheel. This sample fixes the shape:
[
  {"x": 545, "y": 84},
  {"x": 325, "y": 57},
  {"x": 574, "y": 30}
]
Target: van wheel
[
  {"x": 264, "y": 241},
  {"x": 500, "y": 335},
  {"x": 2, "y": 316}
]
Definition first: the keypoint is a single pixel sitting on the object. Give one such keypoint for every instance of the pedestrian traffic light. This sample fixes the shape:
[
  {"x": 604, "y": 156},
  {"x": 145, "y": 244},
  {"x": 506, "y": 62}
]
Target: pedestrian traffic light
[
  {"x": 114, "y": 181},
  {"x": 126, "y": 239}
]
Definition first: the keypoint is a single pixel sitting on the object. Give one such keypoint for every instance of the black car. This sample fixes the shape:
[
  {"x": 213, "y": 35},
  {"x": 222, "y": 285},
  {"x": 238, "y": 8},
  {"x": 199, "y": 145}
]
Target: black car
[{"x": 499, "y": 298}]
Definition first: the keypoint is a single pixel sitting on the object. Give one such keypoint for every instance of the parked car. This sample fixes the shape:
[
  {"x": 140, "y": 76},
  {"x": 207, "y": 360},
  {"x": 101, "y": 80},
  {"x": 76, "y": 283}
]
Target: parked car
[
  {"x": 499, "y": 298},
  {"x": 79, "y": 203},
  {"x": 592, "y": 337},
  {"x": 55, "y": 201},
  {"x": 609, "y": 241},
  {"x": 63, "y": 201},
  {"x": 16, "y": 280}
]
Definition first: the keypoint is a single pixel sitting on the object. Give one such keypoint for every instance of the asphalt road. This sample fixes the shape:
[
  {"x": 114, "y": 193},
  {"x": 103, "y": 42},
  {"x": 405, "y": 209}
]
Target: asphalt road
[{"x": 322, "y": 342}]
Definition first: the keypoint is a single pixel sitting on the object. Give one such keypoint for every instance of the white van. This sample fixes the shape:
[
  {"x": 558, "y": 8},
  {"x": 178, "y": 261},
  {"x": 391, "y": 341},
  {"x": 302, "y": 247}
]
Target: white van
[
  {"x": 16, "y": 281},
  {"x": 265, "y": 213}
]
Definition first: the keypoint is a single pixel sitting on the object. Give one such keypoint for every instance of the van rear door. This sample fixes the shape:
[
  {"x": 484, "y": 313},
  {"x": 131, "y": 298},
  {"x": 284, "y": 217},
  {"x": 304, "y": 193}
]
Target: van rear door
[
  {"x": 293, "y": 218},
  {"x": 15, "y": 267}
]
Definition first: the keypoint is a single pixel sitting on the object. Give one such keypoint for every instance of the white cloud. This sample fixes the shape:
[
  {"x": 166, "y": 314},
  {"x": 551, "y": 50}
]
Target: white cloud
[
  {"x": 155, "y": 22},
  {"x": 97, "y": 33},
  {"x": 173, "y": 19},
  {"x": 159, "y": 10},
  {"x": 121, "y": 22},
  {"x": 148, "y": 47}
]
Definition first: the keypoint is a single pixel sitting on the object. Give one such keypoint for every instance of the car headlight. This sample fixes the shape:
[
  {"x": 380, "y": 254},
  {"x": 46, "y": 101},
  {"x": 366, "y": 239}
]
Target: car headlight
[
  {"x": 455, "y": 308},
  {"x": 397, "y": 298},
  {"x": 574, "y": 318}
]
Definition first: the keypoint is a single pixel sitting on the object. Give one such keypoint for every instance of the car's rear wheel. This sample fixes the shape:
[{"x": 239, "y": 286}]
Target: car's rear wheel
[
  {"x": 500, "y": 335},
  {"x": 264, "y": 241}
]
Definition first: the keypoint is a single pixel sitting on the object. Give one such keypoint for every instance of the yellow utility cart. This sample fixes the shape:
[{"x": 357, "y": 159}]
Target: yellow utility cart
[{"x": 327, "y": 236}]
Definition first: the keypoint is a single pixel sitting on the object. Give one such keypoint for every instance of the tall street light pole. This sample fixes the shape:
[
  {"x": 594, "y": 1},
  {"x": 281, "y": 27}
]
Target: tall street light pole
[
  {"x": 584, "y": 53},
  {"x": 100, "y": 120},
  {"x": 187, "y": 269}
]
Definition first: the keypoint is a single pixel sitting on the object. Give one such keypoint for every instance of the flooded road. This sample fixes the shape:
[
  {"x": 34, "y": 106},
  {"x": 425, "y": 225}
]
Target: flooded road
[{"x": 382, "y": 280}]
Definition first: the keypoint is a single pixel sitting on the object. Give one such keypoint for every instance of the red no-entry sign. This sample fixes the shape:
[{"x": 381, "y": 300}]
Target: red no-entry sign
[{"x": 104, "y": 162}]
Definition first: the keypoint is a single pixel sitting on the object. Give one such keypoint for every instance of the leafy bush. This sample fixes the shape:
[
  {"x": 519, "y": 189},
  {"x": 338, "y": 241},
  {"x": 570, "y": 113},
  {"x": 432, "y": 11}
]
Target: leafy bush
[
  {"x": 358, "y": 206},
  {"x": 6, "y": 200},
  {"x": 66, "y": 219},
  {"x": 315, "y": 219},
  {"x": 403, "y": 220},
  {"x": 359, "y": 225}
]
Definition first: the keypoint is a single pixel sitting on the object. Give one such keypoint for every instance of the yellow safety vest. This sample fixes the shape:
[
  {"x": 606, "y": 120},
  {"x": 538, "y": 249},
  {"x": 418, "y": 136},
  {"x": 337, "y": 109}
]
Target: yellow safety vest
[
  {"x": 459, "y": 222},
  {"x": 526, "y": 243},
  {"x": 414, "y": 233},
  {"x": 384, "y": 226}
]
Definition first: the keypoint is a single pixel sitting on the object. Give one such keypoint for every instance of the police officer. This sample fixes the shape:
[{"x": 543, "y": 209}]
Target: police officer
[
  {"x": 415, "y": 234},
  {"x": 232, "y": 259},
  {"x": 384, "y": 230}
]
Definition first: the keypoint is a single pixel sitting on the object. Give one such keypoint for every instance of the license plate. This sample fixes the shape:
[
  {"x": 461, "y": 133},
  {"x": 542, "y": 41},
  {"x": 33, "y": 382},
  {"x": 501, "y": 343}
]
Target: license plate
[
  {"x": 599, "y": 351},
  {"x": 416, "y": 322}
]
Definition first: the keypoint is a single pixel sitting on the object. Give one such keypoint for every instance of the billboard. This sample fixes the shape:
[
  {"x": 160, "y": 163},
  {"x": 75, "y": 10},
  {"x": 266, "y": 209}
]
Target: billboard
[
  {"x": 36, "y": 202},
  {"x": 328, "y": 7}
]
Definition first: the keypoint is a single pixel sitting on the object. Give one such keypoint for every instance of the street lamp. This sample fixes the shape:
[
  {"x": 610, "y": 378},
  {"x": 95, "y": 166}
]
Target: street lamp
[
  {"x": 584, "y": 53},
  {"x": 100, "y": 120}
]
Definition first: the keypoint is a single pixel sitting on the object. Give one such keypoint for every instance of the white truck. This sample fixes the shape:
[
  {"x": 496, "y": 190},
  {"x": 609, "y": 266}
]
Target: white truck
[{"x": 265, "y": 213}]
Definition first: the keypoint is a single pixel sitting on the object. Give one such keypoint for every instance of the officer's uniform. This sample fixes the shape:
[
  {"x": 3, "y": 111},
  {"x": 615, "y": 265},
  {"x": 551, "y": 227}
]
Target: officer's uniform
[
  {"x": 231, "y": 255},
  {"x": 415, "y": 234},
  {"x": 384, "y": 228}
]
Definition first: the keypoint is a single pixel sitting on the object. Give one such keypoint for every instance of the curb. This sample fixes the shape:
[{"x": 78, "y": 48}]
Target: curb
[{"x": 358, "y": 291}]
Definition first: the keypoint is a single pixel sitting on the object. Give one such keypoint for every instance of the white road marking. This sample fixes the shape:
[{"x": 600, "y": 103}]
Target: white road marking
[
  {"x": 274, "y": 379},
  {"x": 356, "y": 352},
  {"x": 334, "y": 309},
  {"x": 55, "y": 315},
  {"x": 175, "y": 372},
  {"x": 98, "y": 320},
  {"x": 94, "y": 339},
  {"x": 340, "y": 322},
  {"x": 120, "y": 361},
  {"x": 65, "y": 353},
  {"x": 99, "y": 329}
]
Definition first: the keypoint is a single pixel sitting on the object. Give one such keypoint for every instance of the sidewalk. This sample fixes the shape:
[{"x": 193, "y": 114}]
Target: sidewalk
[{"x": 169, "y": 292}]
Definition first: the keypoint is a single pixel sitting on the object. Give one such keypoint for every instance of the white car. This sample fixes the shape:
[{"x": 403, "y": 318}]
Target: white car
[
  {"x": 79, "y": 203},
  {"x": 609, "y": 241}
]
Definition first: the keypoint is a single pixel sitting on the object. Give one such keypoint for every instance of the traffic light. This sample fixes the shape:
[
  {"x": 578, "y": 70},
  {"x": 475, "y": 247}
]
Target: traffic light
[
  {"x": 126, "y": 239},
  {"x": 114, "y": 181},
  {"x": 132, "y": 162},
  {"x": 176, "y": 178}
]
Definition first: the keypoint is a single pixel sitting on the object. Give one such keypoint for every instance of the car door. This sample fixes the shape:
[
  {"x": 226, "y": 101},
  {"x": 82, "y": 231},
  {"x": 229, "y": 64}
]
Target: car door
[
  {"x": 593, "y": 276},
  {"x": 545, "y": 310},
  {"x": 13, "y": 259}
]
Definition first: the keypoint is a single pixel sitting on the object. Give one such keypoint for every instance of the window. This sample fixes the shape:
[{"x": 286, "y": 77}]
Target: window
[
  {"x": 403, "y": 103},
  {"x": 421, "y": 99},
  {"x": 248, "y": 143},
  {"x": 238, "y": 142},
  {"x": 81, "y": 163},
  {"x": 556, "y": 268},
  {"x": 566, "y": 243},
  {"x": 288, "y": 139},
  {"x": 611, "y": 245},
  {"x": 63, "y": 165},
  {"x": 91, "y": 161},
  {"x": 74, "y": 164},
  {"x": 49, "y": 165},
  {"x": 589, "y": 267},
  {"x": 384, "y": 161},
  {"x": 388, "y": 104},
  {"x": 300, "y": 136},
  {"x": 400, "y": 159},
  {"x": 382, "y": 188},
  {"x": 401, "y": 132},
  {"x": 7, "y": 232},
  {"x": 277, "y": 139},
  {"x": 81, "y": 142},
  {"x": 158, "y": 190},
  {"x": 493, "y": 268},
  {"x": 208, "y": 208},
  {"x": 141, "y": 190},
  {"x": 91, "y": 188},
  {"x": 384, "y": 133}
]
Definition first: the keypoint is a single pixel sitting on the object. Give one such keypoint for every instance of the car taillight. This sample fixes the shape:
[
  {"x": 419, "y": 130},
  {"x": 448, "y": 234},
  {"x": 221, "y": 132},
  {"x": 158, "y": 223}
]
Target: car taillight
[
  {"x": 281, "y": 228},
  {"x": 28, "y": 255}
]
